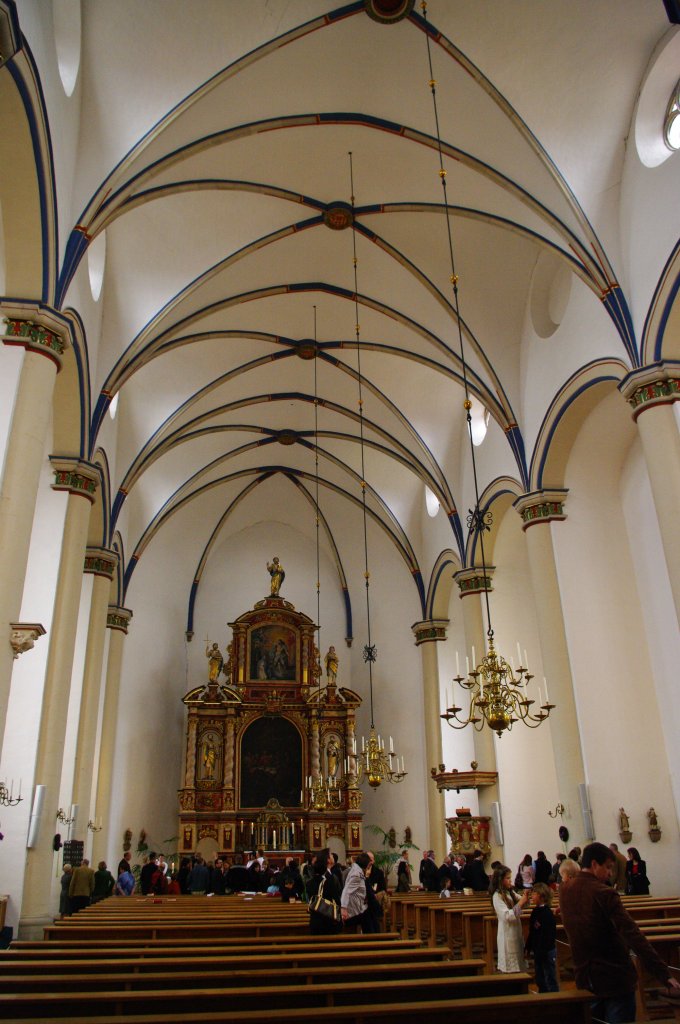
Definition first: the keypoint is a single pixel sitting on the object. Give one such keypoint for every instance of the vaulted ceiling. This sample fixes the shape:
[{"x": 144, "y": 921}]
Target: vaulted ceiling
[{"x": 213, "y": 158}]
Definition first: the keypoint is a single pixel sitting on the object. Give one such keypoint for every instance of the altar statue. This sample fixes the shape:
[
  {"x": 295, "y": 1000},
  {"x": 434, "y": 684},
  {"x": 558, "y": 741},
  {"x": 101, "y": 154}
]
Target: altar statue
[
  {"x": 332, "y": 663},
  {"x": 209, "y": 758},
  {"x": 215, "y": 662},
  {"x": 278, "y": 575},
  {"x": 332, "y": 757}
]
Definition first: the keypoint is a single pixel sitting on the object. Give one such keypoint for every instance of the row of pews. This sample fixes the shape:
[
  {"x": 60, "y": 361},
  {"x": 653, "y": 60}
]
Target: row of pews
[
  {"x": 469, "y": 927},
  {"x": 190, "y": 959}
]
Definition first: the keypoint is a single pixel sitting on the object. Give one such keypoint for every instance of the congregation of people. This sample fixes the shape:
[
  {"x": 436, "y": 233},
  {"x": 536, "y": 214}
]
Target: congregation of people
[{"x": 353, "y": 897}]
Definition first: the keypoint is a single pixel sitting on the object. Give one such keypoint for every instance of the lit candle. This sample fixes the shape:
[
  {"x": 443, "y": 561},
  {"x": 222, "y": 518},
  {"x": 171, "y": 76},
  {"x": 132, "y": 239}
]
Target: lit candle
[
  {"x": 519, "y": 654},
  {"x": 241, "y": 824},
  {"x": 474, "y": 660},
  {"x": 274, "y": 839},
  {"x": 391, "y": 744},
  {"x": 292, "y": 828},
  {"x": 301, "y": 797},
  {"x": 547, "y": 698},
  {"x": 467, "y": 665},
  {"x": 402, "y": 762},
  {"x": 457, "y": 665},
  {"x": 300, "y": 822},
  {"x": 252, "y": 828}
]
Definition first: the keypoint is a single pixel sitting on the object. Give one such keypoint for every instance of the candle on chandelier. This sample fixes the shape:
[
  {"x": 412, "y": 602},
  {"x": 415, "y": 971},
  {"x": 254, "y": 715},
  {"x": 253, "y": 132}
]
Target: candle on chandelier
[
  {"x": 474, "y": 660},
  {"x": 547, "y": 698},
  {"x": 519, "y": 654},
  {"x": 391, "y": 744},
  {"x": 526, "y": 661},
  {"x": 457, "y": 665},
  {"x": 467, "y": 665}
]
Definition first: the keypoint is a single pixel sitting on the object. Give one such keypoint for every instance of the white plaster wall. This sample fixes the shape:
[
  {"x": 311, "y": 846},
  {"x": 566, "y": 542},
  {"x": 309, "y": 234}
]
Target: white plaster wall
[
  {"x": 658, "y": 610},
  {"x": 620, "y": 720},
  {"x": 11, "y": 361}
]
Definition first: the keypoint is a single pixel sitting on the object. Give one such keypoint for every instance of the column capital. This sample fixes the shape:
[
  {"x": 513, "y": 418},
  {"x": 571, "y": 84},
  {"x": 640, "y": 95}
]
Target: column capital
[
  {"x": 100, "y": 562},
  {"x": 118, "y": 618},
  {"x": 75, "y": 476},
  {"x": 545, "y": 506},
  {"x": 657, "y": 384},
  {"x": 473, "y": 580},
  {"x": 429, "y": 630},
  {"x": 36, "y": 328}
]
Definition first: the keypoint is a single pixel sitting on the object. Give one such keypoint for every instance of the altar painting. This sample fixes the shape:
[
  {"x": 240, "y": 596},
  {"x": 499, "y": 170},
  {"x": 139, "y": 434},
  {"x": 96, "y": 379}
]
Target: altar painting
[{"x": 272, "y": 653}]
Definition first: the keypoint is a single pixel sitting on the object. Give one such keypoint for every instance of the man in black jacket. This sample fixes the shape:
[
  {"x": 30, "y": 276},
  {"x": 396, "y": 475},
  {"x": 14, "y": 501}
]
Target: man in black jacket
[
  {"x": 428, "y": 874},
  {"x": 148, "y": 871}
]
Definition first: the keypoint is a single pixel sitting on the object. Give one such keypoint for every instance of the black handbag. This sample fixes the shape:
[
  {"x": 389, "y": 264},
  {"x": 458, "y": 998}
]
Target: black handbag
[{"x": 320, "y": 905}]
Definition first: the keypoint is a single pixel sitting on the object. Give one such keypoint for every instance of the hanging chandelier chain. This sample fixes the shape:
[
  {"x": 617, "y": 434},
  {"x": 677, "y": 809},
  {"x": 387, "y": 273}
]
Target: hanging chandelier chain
[
  {"x": 317, "y": 667},
  {"x": 370, "y": 653},
  {"x": 477, "y": 524}
]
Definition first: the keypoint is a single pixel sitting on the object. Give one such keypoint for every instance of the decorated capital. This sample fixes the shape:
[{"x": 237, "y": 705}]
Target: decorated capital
[{"x": 545, "y": 506}]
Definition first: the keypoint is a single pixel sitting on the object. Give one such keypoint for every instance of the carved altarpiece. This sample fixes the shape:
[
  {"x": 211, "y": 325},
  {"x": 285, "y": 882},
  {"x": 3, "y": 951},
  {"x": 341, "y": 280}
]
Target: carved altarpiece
[{"x": 254, "y": 741}]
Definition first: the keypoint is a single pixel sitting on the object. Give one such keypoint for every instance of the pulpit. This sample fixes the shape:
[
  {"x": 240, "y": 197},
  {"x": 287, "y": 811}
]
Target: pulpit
[{"x": 270, "y": 760}]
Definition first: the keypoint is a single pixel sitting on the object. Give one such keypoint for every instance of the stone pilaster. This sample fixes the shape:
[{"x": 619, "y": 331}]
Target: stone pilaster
[
  {"x": 427, "y": 634},
  {"x": 539, "y": 510},
  {"x": 44, "y": 337},
  {"x": 651, "y": 393},
  {"x": 474, "y": 583},
  {"x": 101, "y": 563},
  {"x": 37, "y": 900},
  {"x": 117, "y": 620}
]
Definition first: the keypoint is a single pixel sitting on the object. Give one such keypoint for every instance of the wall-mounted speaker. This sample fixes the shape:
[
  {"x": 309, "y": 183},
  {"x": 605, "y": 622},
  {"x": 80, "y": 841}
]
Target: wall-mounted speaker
[
  {"x": 586, "y": 812},
  {"x": 36, "y": 813},
  {"x": 497, "y": 822}
]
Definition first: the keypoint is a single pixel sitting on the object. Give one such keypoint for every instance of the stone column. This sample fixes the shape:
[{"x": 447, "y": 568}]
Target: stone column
[
  {"x": 539, "y": 510},
  {"x": 117, "y": 620},
  {"x": 427, "y": 633},
  {"x": 651, "y": 393},
  {"x": 44, "y": 339},
  {"x": 79, "y": 480},
  {"x": 101, "y": 563},
  {"x": 473, "y": 585}
]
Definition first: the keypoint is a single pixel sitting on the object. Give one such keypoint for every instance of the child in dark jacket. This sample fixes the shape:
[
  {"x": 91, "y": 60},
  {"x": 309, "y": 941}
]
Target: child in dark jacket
[{"x": 541, "y": 939}]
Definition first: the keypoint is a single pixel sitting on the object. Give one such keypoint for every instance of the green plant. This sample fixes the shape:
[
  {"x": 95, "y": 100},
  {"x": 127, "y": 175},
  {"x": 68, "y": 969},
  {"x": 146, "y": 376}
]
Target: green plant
[{"x": 386, "y": 858}]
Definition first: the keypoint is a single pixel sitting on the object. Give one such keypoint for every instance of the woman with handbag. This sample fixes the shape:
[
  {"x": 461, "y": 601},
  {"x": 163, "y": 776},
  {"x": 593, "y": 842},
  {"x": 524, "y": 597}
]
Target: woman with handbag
[
  {"x": 324, "y": 892},
  {"x": 637, "y": 883}
]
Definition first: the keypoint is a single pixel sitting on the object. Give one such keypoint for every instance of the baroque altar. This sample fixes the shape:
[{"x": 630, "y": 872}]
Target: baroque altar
[{"x": 265, "y": 738}]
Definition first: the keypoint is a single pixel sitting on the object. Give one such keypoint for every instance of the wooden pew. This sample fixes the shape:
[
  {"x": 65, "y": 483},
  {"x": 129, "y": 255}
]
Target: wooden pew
[
  {"x": 571, "y": 1007},
  {"x": 375, "y": 993}
]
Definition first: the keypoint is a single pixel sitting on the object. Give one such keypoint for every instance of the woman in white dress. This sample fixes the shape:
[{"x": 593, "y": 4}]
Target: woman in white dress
[{"x": 508, "y": 907}]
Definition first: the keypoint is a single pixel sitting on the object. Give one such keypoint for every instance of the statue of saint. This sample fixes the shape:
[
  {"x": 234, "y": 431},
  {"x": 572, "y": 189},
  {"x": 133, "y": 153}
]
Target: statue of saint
[
  {"x": 653, "y": 822},
  {"x": 277, "y": 574},
  {"x": 332, "y": 758},
  {"x": 215, "y": 662},
  {"x": 332, "y": 663},
  {"x": 624, "y": 823},
  {"x": 209, "y": 758}
]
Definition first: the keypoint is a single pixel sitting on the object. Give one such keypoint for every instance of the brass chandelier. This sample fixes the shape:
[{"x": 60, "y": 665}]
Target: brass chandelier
[{"x": 498, "y": 693}]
